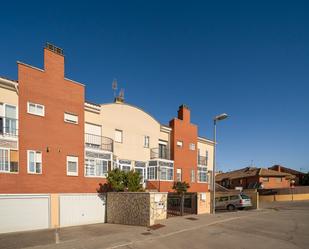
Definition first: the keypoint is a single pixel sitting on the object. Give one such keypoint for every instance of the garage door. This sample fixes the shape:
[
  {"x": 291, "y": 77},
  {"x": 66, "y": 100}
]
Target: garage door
[
  {"x": 81, "y": 209},
  {"x": 23, "y": 212}
]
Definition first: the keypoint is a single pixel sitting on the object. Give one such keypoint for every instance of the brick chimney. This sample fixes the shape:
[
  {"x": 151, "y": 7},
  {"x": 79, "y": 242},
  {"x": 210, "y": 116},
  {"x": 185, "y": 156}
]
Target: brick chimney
[
  {"x": 184, "y": 113},
  {"x": 54, "y": 60}
]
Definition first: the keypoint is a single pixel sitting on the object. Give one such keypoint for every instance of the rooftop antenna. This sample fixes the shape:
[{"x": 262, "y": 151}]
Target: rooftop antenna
[
  {"x": 121, "y": 94},
  {"x": 114, "y": 87}
]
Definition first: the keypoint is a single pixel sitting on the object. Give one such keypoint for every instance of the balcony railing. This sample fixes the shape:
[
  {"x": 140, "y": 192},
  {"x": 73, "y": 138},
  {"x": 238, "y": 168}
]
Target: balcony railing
[
  {"x": 160, "y": 153},
  {"x": 99, "y": 142},
  {"x": 202, "y": 160}
]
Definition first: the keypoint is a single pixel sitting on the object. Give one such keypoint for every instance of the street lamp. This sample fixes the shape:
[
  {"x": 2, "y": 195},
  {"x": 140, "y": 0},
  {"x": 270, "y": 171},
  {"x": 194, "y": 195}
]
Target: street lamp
[{"x": 217, "y": 118}]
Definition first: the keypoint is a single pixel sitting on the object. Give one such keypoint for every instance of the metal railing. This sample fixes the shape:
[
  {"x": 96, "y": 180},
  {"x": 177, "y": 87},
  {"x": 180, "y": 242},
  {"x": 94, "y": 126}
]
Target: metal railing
[
  {"x": 202, "y": 160},
  {"x": 160, "y": 153},
  {"x": 99, "y": 142}
]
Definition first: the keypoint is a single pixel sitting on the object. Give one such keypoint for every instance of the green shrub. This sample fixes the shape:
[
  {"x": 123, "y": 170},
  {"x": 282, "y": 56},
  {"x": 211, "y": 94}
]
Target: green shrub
[{"x": 120, "y": 181}]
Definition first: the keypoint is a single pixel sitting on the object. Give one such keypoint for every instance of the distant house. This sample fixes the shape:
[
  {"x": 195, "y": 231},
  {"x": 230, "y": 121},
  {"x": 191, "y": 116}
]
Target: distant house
[
  {"x": 298, "y": 175},
  {"x": 252, "y": 177}
]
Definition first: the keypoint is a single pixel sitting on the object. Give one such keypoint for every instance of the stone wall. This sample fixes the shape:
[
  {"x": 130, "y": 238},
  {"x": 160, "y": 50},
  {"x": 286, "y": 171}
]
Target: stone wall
[{"x": 141, "y": 208}]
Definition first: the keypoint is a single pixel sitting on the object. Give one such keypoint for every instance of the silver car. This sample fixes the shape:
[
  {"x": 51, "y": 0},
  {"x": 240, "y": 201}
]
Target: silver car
[{"x": 232, "y": 202}]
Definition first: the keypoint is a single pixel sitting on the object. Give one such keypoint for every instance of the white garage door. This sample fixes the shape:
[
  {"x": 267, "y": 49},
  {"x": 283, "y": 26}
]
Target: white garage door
[
  {"x": 23, "y": 212},
  {"x": 81, "y": 209}
]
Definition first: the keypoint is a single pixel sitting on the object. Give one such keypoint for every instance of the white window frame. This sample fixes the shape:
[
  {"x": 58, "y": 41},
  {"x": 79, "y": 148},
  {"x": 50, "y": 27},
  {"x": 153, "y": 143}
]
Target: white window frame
[
  {"x": 35, "y": 106},
  {"x": 179, "y": 143},
  {"x": 9, "y": 162},
  {"x": 178, "y": 171},
  {"x": 116, "y": 139},
  {"x": 121, "y": 165},
  {"x": 167, "y": 169},
  {"x": 75, "y": 160},
  {"x": 202, "y": 169},
  {"x": 8, "y": 151},
  {"x": 192, "y": 175},
  {"x": 95, "y": 160},
  {"x": 69, "y": 120},
  {"x": 5, "y": 129},
  {"x": 35, "y": 162},
  {"x": 192, "y": 146},
  {"x": 146, "y": 141},
  {"x": 149, "y": 169}
]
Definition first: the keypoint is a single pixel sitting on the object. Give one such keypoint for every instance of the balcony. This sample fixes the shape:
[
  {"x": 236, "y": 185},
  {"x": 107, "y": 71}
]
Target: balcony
[
  {"x": 202, "y": 160},
  {"x": 99, "y": 142},
  {"x": 8, "y": 127},
  {"x": 160, "y": 153}
]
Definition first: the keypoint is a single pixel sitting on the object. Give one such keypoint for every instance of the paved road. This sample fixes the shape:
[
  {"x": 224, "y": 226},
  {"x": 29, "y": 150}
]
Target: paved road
[{"x": 277, "y": 225}]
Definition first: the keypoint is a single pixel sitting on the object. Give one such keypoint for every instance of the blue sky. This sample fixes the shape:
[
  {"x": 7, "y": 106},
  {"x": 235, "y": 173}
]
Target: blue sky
[{"x": 249, "y": 59}]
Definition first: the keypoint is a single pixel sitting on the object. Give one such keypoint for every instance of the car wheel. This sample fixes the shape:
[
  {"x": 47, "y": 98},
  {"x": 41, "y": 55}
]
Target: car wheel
[{"x": 231, "y": 207}]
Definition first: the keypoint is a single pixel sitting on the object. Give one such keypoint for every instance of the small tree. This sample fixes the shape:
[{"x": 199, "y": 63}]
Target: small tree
[
  {"x": 116, "y": 180},
  {"x": 181, "y": 187},
  {"x": 133, "y": 181},
  {"x": 120, "y": 181}
]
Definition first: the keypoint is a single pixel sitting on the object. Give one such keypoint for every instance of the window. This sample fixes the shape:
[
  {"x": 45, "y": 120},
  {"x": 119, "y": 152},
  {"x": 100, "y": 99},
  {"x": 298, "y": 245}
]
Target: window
[
  {"x": 192, "y": 176},
  {"x": 163, "y": 152},
  {"x": 36, "y": 109},
  {"x": 72, "y": 166},
  {"x": 34, "y": 162},
  {"x": 178, "y": 175},
  {"x": 234, "y": 197},
  {"x": 202, "y": 174},
  {"x": 223, "y": 198},
  {"x": 96, "y": 164},
  {"x": 146, "y": 141},
  {"x": 192, "y": 146},
  {"x": 118, "y": 136},
  {"x": 179, "y": 143},
  {"x": 265, "y": 179},
  {"x": 125, "y": 165},
  {"x": 4, "y": 160},
  {"x": 152, "y": 173},
  {"x": 140, "y": 167},
  {"x": 96, "y": 167},
  {"x": 206, "y": 157},
  {"x": 8, "y": 120},
  {"x": 166, "y": 173},
  {"x": 70, "y": 118}
]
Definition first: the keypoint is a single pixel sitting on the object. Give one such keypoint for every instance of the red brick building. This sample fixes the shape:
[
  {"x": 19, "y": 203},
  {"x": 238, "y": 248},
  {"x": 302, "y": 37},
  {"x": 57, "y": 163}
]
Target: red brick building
[{"x": 64, "y": 144}]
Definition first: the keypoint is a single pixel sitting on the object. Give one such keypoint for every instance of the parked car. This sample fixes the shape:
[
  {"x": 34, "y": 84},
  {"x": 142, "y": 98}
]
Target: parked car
[{"x": 232, "y": 202}]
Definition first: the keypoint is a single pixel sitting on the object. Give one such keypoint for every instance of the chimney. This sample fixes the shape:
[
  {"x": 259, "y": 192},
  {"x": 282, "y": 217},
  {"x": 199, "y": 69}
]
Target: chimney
[
  {"x": 184, "y": 113},
  {"x": 54, "y": 60}
]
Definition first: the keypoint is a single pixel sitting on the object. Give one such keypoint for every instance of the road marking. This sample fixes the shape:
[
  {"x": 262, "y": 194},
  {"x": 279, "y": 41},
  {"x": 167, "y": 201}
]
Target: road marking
[{"x": 185, "y": 230}]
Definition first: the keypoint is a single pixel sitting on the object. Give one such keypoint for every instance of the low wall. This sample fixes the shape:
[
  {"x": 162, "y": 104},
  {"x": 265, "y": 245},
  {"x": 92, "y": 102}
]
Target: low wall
[
  {"x": 140, "y": 208},
  {"x": 289, "y": 197},
  {"x": 203, "y": 202}
]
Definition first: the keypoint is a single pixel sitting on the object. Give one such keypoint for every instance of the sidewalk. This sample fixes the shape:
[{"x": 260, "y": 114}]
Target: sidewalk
[{"x": 112, "y": 235}]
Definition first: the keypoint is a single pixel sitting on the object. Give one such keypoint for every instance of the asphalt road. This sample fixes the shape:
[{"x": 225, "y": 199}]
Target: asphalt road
[{"x": 276, "y": 225}]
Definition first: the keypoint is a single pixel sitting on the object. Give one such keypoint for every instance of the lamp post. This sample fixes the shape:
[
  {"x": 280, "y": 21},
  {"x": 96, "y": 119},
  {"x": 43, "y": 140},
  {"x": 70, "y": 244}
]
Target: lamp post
[{"x": 217, "y": 118}]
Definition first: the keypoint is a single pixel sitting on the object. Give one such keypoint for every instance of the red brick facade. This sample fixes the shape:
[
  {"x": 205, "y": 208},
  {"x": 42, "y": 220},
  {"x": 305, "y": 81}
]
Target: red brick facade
[{"x": 50, "y": 135}]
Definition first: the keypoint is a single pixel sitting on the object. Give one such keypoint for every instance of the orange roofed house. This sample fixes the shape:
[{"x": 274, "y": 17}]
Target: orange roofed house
[{"x": 252, "y": 177}]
